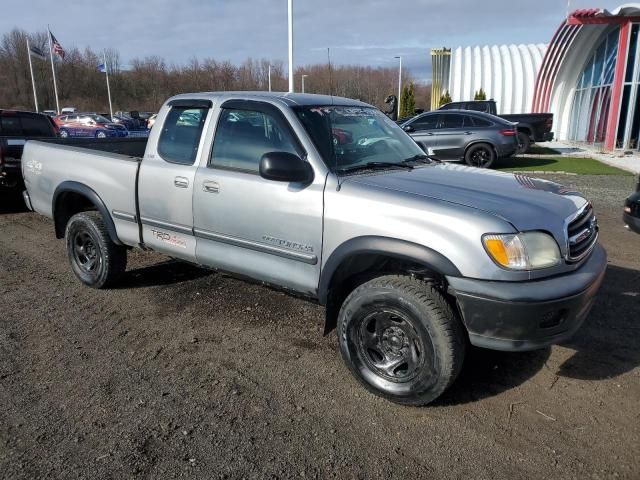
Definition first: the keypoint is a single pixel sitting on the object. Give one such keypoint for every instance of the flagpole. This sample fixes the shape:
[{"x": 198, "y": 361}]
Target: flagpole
[
  {"x": 53, "y": 70},
  {"x": 33, "y": 80},
  {"x": 106, "y": 73}
]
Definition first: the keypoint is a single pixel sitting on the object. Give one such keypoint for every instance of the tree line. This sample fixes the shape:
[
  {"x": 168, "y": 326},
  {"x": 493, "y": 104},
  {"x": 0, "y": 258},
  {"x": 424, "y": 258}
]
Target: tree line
[{"x": 148, "y": 81}]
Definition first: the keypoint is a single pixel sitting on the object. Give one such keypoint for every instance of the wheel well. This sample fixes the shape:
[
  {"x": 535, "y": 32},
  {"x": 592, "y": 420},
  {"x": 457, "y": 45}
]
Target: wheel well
[
  {"x": 481, "y": 142},
  {"x": 66, "y": 206},
  {"x": 360, "y": 268},
  {"x": 526, "y": 130}
]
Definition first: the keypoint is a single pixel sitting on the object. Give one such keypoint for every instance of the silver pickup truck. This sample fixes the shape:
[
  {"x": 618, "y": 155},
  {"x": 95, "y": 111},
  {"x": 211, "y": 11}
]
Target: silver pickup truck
[{"x": 326, "y": 197}]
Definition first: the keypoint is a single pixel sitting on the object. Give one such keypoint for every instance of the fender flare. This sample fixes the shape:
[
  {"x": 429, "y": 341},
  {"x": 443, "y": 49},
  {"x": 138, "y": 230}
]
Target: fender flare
[
  {"x": 386, "y": 246},
  {"x": 93, "y": 197}
]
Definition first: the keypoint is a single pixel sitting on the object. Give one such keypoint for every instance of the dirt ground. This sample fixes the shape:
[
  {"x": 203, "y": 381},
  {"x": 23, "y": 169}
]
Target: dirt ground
[{"x": 182, "y": 372}]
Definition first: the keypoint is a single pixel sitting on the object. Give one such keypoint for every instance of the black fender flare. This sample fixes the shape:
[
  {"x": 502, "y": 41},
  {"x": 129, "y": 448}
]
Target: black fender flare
[
  {"x": 385, "y": 246},
  {"x": 93, "y": 197}
]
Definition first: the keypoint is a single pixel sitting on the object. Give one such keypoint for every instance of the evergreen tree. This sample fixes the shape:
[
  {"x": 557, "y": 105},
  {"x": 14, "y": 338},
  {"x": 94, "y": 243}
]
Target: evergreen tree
[
  {"x": 445, "y": 98},
  {"x": 480, "y": 95},
  {"x": 408, "y": 104}
]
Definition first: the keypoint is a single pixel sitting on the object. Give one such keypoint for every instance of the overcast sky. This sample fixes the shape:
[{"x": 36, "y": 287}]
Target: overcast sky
[{"x": 369, "y": 32}]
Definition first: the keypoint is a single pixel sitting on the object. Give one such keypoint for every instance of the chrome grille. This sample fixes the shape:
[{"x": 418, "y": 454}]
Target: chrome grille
[{"x": 582, "y": 234}]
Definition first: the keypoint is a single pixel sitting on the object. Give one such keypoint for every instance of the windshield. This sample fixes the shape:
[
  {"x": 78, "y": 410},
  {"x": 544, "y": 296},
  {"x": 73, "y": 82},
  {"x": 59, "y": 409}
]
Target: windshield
[{"x": 350, "y": 137}]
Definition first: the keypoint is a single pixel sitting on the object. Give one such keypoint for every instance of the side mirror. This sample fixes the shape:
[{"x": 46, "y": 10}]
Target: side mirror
[
  {"x": 285, "y": 167},
  {"x": 408, "y": 128}
]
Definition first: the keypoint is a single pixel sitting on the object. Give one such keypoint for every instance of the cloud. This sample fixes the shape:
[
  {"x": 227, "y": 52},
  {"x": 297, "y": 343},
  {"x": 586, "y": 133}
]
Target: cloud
[{"x": 369, "y": 32}]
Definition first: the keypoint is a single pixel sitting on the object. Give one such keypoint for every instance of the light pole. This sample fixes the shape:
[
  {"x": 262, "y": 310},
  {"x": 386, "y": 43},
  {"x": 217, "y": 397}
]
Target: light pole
[
  {"x": 269, "y": 77},
  {"x": 290, "y": 45},
  {"x": 399, "y": 84},
  {"x": 303, "y": 77}
]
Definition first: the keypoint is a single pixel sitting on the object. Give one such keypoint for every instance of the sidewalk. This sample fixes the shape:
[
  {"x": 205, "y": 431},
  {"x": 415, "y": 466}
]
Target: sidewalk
[{"x": 631, "y": 163}]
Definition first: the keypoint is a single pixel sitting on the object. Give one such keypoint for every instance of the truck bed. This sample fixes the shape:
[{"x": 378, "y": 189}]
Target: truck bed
[{"x": 108, "y": 166}]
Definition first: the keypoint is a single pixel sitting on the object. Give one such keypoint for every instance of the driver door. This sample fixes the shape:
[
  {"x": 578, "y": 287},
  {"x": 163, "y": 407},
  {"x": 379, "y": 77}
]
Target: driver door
[
  {"x": 424, "y": 131},
  {"x": 267, "y": 230}
]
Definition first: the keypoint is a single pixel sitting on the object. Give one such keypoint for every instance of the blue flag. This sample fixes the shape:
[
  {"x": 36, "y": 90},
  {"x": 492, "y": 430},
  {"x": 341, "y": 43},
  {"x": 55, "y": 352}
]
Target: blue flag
[{"x": 102, "y": 68}]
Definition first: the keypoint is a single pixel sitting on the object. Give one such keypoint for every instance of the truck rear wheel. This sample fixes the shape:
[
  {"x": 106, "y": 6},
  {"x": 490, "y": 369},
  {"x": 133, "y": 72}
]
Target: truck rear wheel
[
  {"x": 524, "y": 143},
  {"x": 401, "y": 339},
  {"x": 94, "y": 258}
]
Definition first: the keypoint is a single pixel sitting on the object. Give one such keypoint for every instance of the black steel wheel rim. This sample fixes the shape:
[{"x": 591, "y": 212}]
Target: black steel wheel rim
[
  {"x": 480, "y": 157},
  {"x": 389, "y": 346},
  {"x": 86, "y": 252}
]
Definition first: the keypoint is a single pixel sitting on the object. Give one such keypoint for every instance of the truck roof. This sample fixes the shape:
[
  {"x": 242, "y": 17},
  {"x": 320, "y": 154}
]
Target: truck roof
[{"x": 289, "y": 99}]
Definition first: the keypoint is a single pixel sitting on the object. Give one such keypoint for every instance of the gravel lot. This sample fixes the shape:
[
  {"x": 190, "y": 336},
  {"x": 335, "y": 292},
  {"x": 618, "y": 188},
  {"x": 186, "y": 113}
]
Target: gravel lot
[{"x": 182, "y": 372}]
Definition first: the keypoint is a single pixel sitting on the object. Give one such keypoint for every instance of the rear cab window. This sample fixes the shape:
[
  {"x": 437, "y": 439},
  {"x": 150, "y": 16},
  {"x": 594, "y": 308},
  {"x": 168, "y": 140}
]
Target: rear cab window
[{"x": 180, "y": 135}]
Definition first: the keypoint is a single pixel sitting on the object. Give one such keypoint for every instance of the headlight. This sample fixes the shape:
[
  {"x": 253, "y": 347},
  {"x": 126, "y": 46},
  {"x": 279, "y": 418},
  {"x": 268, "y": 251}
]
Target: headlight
[{"x": 523, "y": 251}]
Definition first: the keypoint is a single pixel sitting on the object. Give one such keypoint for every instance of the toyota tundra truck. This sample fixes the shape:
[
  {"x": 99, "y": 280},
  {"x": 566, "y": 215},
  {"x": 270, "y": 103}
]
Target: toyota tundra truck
[{"x": 414, "y": 259}]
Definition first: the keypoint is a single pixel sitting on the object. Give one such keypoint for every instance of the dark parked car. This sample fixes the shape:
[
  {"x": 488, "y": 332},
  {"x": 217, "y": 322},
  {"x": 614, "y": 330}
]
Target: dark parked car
[
  {"x": 631, "y": 215},
  {"x": 15, "y": 129},
  {"x": 532, "y": 127},
  {"x": 477, "y": 138}
]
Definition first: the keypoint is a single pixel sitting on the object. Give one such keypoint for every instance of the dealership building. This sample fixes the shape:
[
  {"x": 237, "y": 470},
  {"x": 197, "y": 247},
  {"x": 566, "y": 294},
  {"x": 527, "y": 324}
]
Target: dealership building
[{"x": 587, "y": 76}]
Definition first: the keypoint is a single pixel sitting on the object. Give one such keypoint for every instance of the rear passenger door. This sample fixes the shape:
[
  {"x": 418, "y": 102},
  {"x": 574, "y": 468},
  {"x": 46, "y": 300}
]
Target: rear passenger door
[
  {"x": 166, "y": 178},
  {"x": 263, "y": 229},
  {"x": 452, "y": 135}
]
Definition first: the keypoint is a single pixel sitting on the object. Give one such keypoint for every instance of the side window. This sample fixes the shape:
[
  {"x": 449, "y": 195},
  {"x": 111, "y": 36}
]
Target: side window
[
  {"x": 10, "y": 126},
  {"x": 244, "y": 136},
  {"x": 181, "y": 134},
  {"x": 480, "y": 122},
  {"x": 428, "y": 122},
  {"x": 453, "y": 120},
  {"x": 468, "y": 122},
  {"x": 36, "y": 126}
]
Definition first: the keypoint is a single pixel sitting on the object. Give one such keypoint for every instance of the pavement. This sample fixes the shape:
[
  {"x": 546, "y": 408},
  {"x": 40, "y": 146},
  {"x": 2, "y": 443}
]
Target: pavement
[
  {"x": 628, "y": 160},
  {"x": 181, "y": 372}
]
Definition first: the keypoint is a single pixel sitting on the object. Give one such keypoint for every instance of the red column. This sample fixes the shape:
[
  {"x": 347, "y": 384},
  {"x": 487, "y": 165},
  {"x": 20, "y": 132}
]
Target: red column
[{"x": 618, "y": 85}]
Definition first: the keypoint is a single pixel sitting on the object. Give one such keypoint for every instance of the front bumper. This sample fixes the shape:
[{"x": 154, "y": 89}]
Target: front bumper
[
  {"x": 520, "y": 316},
  {"x": 632, "y": 222}
]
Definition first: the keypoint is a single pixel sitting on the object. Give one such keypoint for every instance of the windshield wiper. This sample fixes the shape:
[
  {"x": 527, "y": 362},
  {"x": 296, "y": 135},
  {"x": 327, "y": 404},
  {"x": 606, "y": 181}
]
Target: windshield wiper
[
  {"x": 375, "y": 166},
  {"x": 422, "y": 158}
]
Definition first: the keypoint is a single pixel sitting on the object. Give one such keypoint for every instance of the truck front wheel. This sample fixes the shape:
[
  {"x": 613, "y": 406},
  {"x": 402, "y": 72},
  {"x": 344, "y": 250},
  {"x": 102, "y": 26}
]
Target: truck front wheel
[
  {"x": 95, "y": 259},
  {"x": 401, "y": 339}
]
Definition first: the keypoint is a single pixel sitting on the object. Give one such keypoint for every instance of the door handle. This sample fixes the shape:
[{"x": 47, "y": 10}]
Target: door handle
[
  {"x": 211, "y": 187},
  {"x": 468, "y": 133},
  {"x": 181, "y": 182}
]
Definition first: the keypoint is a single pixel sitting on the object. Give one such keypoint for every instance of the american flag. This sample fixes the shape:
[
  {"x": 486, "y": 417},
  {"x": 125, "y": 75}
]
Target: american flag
[{"x": 56, "y": 47}]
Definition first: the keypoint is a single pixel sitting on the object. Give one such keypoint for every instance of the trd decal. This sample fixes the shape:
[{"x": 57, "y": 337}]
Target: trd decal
[{"x": 169, "y": 238}]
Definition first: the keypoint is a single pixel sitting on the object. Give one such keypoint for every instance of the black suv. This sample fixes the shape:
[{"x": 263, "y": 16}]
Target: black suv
[
  {"x": 631, "y": 215},
  {"x": 15, "y": 129}
]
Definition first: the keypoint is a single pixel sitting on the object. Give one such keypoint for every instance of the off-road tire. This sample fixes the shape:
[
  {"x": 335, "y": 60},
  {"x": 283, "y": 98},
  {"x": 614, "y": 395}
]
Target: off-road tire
[
  {"x": 480, "y": 155},
  {"x": 86, "y": 236},
  {"x": 440, "y": 338},
  {"x": 524, "y": 142}
]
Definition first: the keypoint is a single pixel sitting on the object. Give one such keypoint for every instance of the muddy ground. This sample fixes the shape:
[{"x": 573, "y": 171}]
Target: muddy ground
[{"x": 181, "y": 372}]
